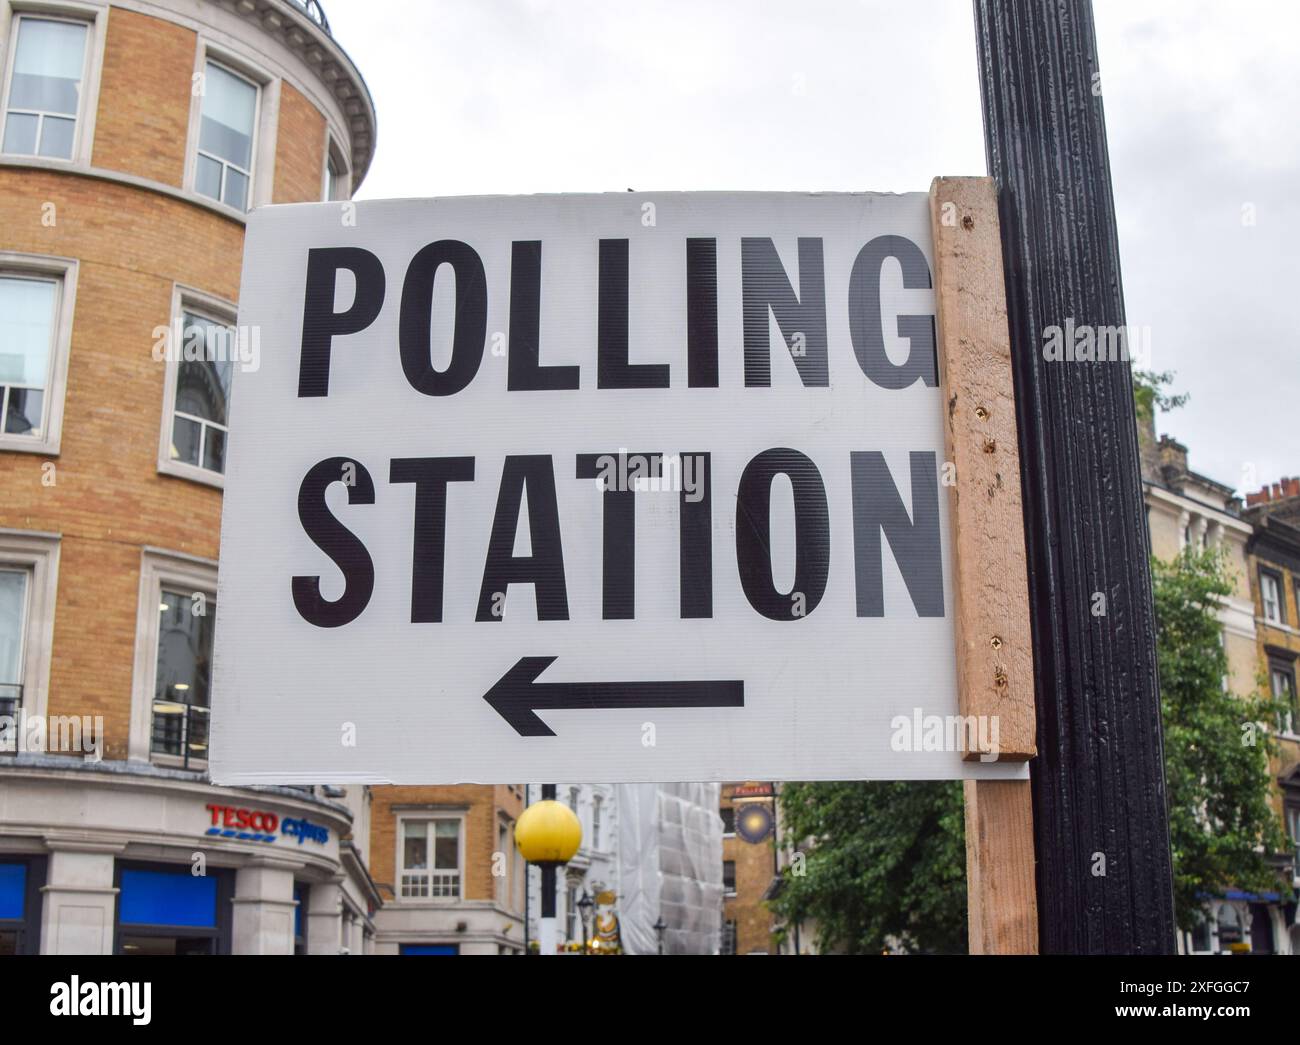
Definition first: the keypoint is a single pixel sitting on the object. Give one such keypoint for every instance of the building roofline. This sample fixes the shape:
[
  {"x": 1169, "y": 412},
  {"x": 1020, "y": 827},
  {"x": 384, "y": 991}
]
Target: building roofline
[
  {"x": 1214, "y": 484},
  {"x": 1273, "y": 530},
  {"x": 291, "y": 23}
]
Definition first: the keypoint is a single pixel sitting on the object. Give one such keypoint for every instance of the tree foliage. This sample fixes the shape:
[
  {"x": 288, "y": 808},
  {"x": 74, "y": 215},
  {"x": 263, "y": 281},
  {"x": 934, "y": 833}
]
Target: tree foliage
[
  {"x": 1217, "y": 744},
  {"x": 884, "y": 863},
  {"x": 888, "y": 867},
  {"x": 1149, "y": 393}
]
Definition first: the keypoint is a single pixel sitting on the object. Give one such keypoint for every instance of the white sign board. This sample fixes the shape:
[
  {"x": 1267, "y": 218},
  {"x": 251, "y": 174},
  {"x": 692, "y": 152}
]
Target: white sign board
[{"x": 618, "y": 487}]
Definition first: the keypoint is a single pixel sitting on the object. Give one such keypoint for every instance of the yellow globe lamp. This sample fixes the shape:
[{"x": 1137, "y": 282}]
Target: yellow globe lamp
[{"x": 548, "y": 833}]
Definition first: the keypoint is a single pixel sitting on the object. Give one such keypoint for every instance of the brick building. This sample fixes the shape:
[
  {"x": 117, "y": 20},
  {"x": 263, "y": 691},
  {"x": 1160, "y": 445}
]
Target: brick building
[
  {"x": 1274, "y": 557},
  {"x": 450, "y": 875},
  {"x": 749, "y": 867},
  {"x": 135, "y": 135},
  {"x": 1187, "y": 509}
]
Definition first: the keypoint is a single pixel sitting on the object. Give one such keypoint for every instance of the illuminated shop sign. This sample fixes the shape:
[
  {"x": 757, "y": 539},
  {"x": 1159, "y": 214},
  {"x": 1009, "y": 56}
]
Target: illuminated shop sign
[{"x": 260, "y": 825}]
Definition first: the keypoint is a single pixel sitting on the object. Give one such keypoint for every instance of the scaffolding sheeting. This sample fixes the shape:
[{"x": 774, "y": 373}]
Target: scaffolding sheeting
[{"x": 670, "y": 867}]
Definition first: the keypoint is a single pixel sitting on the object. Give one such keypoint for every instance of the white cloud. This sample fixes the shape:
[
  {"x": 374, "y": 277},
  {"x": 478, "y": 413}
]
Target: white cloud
[{"x": 512, "y": 96}]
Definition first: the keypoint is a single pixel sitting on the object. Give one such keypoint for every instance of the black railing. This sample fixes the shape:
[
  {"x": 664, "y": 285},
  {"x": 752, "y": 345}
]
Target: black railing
[
  {"x": 11, "y": 699},
  {"x": 313, "y": 10},
  {"x": 180, "y": 731}
]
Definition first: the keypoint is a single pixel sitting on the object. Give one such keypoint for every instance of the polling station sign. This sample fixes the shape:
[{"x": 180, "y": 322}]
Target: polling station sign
[{"x": 615, "y": 487}]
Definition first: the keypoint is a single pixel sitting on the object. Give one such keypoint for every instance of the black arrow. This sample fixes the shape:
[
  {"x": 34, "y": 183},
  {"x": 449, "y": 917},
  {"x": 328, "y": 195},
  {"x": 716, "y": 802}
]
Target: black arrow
[{"x": 517, "y": 695}]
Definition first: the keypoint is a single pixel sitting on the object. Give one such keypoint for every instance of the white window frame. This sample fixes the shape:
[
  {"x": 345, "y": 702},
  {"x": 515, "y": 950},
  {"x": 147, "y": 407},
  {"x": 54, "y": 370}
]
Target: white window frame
[
  {"x": 218, "y": 310},
  {"x": 95, "y": 19},
  {"x": 38, "y": 555},
  {"x": 1276, "y": 669},
  {"x": 428, "y": 817},
  {"x": 1266, "y": 576},
  {"x": 343, "y": 189},
  {"x": 63, "y": 272},
  {"x": 261, "y": 177},
  {"x": 159, "y": 569}
]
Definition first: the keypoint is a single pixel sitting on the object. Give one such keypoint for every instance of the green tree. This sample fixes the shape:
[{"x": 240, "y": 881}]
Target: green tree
[
  {"x": 1149, "y": 393},
  {"x": 884, "y": 863},
  {"x": 1217, "y": 744},
  {"x": 888, "y": 868}
]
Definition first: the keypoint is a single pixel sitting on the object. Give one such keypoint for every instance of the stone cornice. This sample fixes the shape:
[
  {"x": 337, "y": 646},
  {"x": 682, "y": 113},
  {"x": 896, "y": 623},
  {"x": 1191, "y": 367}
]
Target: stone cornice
[{"x": 289, "y": 24}]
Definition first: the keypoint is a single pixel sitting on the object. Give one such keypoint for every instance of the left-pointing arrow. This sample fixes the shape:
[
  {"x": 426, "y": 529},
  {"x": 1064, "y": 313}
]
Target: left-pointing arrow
[{"x": 517, "y": 695}]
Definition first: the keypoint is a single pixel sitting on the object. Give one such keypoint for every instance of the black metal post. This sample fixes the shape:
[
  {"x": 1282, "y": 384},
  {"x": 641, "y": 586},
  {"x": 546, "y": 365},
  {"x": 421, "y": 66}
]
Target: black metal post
[
  {"x": 527, "y": 941},
  {"x": 1100, "y": 822},
  {"x": 548, "y": 870}
]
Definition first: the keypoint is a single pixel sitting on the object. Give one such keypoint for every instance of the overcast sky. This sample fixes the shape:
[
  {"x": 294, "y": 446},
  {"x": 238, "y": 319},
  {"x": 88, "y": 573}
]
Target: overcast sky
[{"x": 1202, "y": 106}]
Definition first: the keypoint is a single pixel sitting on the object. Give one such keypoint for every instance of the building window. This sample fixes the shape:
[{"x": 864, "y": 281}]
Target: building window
[
  {"x": 28, "y": 310},
  {"x": 728, "y": 937},
  {"x": 13, "y": 634},
  {"x": 45, "y": 88},
  {"x": 1270, "y": 587},
  {"x": 1282, "y": 683},
  {"x": 227, "y": 129},
  {"x": 430, "y": 858},
  {"x": 35, "y": 327},
  {"x": 28, "y": 568},
  {"x": 202, "y": 404},
  {"x": 729, "y": 877},
  {"x": 183, "y": 679},
  {"x": 596, "y": 802},
  {"x": 337, "y": 182},
  {"x": 728, "y": 821},
  {"x": 165, "y": 910},
  {"x": 200, "y": 375},
  {"x": 173, "y": 659}
]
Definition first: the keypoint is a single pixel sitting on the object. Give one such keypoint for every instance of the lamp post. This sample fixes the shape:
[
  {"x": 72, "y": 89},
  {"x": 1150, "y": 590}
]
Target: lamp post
[
  {"x": 659, "y": 928},
  {"x": 548, "y": 834},
  {"x": 584, "y": 912}
]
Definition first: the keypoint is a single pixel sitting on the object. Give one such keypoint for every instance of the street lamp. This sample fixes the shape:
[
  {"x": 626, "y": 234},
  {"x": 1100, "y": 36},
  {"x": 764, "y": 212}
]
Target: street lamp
[
  {"x": 584, "y": 911},
  {"x": 548, "y": 834},
  {"x": 659, "y": 928}
]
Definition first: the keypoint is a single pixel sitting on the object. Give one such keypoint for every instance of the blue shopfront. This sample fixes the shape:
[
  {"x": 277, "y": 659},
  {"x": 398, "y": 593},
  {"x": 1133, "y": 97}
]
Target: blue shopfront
[
  {"x": 21, "y": 880},
  {"x": 163, "y": 909}
]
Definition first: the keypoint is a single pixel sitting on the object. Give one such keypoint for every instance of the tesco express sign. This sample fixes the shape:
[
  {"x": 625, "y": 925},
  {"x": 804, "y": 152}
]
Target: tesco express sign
[{"x": 261, "y": 825}]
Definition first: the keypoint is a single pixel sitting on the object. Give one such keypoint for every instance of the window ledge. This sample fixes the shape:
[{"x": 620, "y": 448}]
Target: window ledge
[
  {"x": 193, "y": 473},
  {"x": 21, "y": 445}
]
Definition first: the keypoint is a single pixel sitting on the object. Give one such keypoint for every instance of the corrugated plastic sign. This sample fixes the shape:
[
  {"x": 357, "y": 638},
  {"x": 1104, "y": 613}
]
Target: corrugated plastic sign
[{"x": 619, "y": 487}]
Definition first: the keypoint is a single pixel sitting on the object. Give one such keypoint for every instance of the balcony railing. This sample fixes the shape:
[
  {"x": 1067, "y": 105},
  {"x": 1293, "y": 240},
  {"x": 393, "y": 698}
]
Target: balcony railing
[
  {"x": 420, "y": 884},
  {"x": 313, "y": 10},
  {"x": 180, "y": 731},
  {"x": 11, "y": 699}
]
